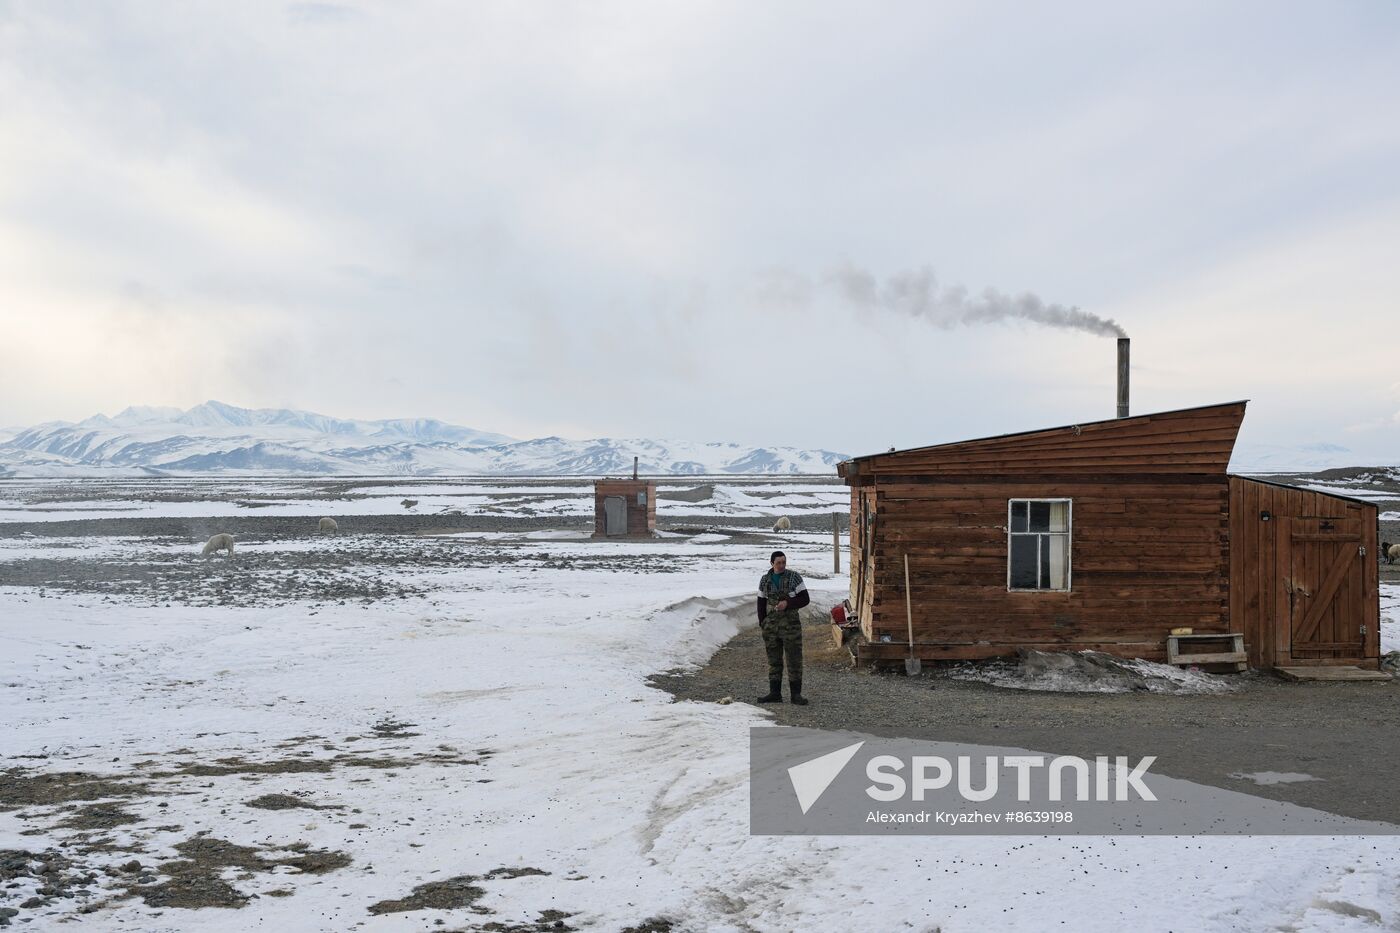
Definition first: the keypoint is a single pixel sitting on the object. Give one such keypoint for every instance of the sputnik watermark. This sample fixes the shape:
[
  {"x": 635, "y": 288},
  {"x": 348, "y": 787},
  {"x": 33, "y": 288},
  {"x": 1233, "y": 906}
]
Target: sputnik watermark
[
  {"x": 928, "y": 773},
  {"x": 932, "y": 772},
  {"x": 806, "y": 781}
]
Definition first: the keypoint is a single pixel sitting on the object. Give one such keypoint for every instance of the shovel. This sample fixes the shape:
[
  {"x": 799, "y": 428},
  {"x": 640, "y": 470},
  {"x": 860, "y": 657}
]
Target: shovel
[{"x": 912, "y": 665}]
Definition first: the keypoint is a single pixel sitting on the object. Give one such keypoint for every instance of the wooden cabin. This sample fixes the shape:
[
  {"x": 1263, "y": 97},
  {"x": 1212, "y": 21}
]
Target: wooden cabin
[
  {"x": 1107, "y": 536},
  {"x": 624, "y": 508}
]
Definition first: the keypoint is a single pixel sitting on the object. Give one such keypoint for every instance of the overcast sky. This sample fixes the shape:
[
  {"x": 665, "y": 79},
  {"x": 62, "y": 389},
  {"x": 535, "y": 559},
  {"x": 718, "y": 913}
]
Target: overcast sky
[{"x": 712, "y": 221}]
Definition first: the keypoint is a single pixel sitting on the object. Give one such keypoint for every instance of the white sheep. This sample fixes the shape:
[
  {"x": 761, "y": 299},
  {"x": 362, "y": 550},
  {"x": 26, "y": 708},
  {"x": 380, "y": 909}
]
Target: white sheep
[
  {"x": 327, "y": 526},
  {"x": 217, "y": 543},
  {"x": 782, "y": 524}
]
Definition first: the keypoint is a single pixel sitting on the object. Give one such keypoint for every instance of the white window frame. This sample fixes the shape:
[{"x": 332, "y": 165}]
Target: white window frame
[{"x": 1069, "y": 544}]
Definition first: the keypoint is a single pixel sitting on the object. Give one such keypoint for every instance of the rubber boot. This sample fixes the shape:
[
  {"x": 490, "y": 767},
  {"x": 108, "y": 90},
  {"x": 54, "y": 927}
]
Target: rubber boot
[
  {"x": 775, "y": 692},
  {"x": 797, "y": 698}
]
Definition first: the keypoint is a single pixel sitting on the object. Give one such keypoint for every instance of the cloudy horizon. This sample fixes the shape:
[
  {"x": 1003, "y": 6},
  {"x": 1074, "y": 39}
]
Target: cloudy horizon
[{"x": 828, "y": 226}]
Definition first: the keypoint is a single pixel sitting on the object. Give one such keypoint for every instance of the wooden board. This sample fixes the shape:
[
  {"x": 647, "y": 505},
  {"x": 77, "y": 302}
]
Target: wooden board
[
  {"x": 865, "y": 652},
  {"x": 1331, "y": 672}
]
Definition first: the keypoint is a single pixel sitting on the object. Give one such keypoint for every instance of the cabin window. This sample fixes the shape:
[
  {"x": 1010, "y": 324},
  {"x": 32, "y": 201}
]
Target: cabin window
[
  {"x": 1038, "y": 544},
  {"x": 641, "y": 498}
]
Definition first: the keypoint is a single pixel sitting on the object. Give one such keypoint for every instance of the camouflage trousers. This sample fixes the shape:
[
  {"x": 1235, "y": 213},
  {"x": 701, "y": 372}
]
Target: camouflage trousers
[{"x": 782, "y": 637}]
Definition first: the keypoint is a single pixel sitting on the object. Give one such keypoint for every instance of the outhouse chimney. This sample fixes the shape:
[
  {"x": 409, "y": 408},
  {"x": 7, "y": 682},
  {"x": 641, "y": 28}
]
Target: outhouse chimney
[{"x": 1122, "y": 377}]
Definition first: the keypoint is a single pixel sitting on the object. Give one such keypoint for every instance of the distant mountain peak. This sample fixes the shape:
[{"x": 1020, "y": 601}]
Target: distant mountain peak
[{"x": 139, "y": 414}]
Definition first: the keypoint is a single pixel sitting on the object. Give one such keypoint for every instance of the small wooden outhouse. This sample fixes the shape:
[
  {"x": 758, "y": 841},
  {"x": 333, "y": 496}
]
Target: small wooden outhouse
[{"x": 624, "y": 508}]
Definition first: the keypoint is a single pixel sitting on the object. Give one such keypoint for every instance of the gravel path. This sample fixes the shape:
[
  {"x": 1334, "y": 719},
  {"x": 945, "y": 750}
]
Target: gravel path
[{"x": 1340, "y": 734}]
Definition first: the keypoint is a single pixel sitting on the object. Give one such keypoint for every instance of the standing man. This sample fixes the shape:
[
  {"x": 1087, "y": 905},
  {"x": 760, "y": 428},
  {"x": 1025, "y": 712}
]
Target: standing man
[{"x": 781, "y": 593}]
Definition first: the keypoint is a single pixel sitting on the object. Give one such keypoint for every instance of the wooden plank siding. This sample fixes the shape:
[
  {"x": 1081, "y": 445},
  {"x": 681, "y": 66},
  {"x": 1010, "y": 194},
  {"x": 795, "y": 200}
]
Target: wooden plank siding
[
  {"x": 1143, "y": 559},
  {"x": 1290, "y": 547}
]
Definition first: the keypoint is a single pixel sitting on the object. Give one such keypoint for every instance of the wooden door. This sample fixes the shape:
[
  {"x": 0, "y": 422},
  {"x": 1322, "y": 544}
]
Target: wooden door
[
  {"x": 1322, "y": 563},
  {"x": 615, "y": 515}
]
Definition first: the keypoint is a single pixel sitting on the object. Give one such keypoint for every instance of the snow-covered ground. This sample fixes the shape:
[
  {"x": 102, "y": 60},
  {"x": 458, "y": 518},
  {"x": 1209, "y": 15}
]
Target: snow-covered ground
[
  {"x": 504, "y": 722},
  {"x": 1352, "y": 490},
  {"x": 716, "y": 497},
  {"x": 1390, "y": 617}
]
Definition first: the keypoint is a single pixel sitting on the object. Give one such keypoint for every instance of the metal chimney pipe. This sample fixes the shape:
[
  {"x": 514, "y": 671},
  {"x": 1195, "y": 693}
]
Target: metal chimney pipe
[
  {"x": 634, "y": 467},
  {"x": 1122, "y": 377}
]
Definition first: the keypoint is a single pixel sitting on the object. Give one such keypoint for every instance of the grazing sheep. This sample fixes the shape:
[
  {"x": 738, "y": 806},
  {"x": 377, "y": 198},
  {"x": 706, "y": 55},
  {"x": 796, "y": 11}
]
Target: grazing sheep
[
  {"x": 327, "y": 526},
  {"x": 1391, "y": 552},
  {"x": 217, "y": 543},
  {"x": 409, "y": 503},
  {"x": 782, "y": 524}
]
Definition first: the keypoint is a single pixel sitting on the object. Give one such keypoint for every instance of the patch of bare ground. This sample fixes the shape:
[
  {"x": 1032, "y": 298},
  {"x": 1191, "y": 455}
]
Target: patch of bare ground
[
  {"x": 653, "y": 925},
  {"x": 99, "y": 816},
  {"x": 21, "y": 787},
  {"x": 393, "y": 729},
  {"x": 548, "y": 921},
  {"x": 237, "y": 765},
  {"x": 696, "y": 494},
  {"x": 450, "y": 893},
  {"x": 49, "y": 874},
  {"x": 196, "y": 879},
  {"x": 287, "y": 802}
]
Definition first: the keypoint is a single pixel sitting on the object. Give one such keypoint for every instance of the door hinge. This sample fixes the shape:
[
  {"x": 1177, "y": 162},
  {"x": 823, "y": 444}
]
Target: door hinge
[
  {"x": 1363, "y": 550},
  {"x": 1363, "y": 630}
]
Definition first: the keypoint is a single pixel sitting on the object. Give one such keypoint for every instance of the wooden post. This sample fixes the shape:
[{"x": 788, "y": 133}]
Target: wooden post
[
  {"x": 835, "y": 542},
  {"x": 909, "y": 605},
  {"x": 912, "y": 665}
]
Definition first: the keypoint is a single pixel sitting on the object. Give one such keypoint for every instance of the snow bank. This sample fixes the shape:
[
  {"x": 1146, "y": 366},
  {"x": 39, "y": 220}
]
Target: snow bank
[
  {"x": 1089, "y": 672},
  {"x": 1390, "y": 617}
]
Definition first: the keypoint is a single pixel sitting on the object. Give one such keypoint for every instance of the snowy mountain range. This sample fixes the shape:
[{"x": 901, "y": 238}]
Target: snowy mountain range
[
  {"x": 218, "y": 438},
  {"x": 1304, "y": 458}
]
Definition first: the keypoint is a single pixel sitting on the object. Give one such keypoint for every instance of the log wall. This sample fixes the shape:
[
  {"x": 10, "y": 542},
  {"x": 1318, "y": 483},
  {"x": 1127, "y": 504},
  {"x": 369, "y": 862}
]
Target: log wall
[{"x": 1147, "y": 553}]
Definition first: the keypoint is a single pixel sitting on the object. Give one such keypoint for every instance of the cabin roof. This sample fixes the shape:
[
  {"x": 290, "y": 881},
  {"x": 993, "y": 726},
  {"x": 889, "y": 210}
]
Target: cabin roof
[
  {"x": 1131, "y": 419},
  {"x": 1183, "y": 440}
]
